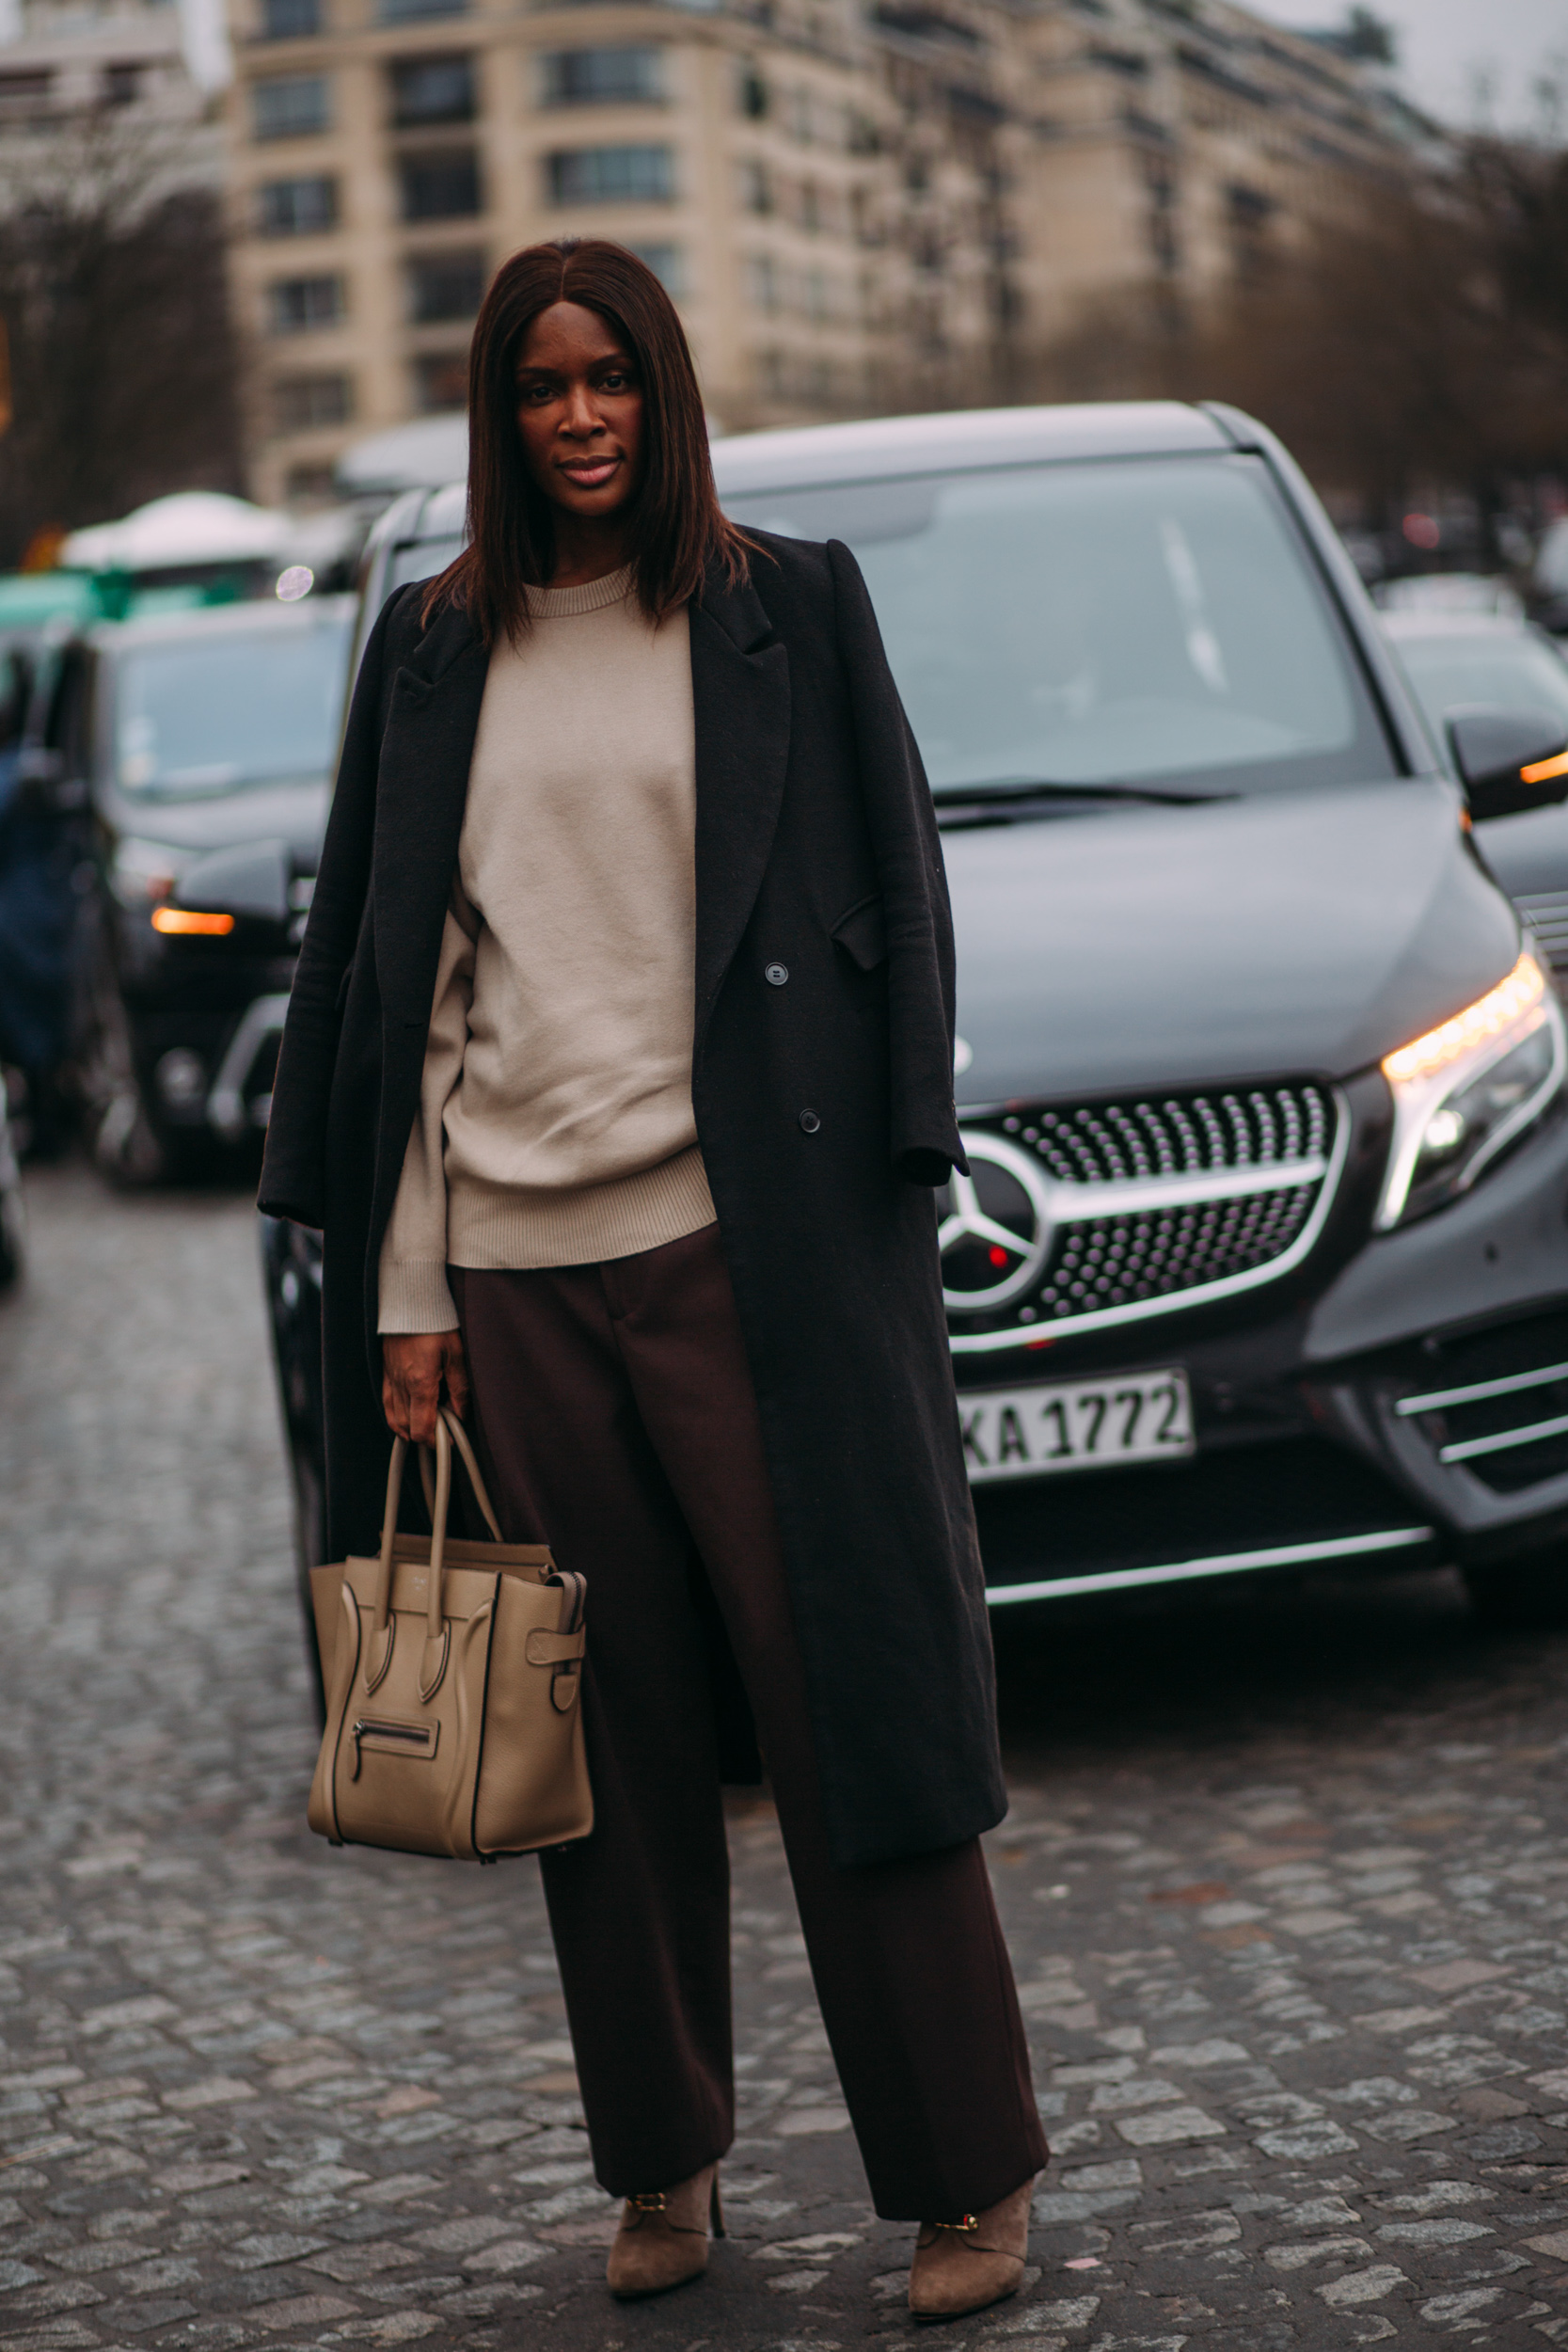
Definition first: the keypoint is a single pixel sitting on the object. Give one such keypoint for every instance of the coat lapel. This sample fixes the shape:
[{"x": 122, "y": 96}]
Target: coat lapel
[
  {"x": 423, "y": 787},
  {"x": 740, "y": 696}
]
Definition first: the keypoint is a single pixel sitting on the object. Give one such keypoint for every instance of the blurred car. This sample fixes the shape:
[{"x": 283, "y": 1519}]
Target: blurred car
[
  {"x": 44, "y": 841},
  {"x": 206, "y": 742},
  {"x": 1458, "y": 659},
  {"x": 1260, "y": 1262},
  {"x": 1450, "y": 593},
  {"x": 1550, "y": 581}
]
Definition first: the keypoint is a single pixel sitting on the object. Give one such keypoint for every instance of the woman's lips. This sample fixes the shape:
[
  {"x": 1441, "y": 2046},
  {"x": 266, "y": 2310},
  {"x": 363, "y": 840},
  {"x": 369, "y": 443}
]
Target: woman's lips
[{"x": 589, "y": 473}]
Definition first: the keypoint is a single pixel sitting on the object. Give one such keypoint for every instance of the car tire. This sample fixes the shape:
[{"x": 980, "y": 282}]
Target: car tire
[
  {"x": 1527, "y": 1594},
  {"x": 309, "y": 1553},
  {"x": 13, "y": 1223},
  {"x": 125, "y": 1144}
]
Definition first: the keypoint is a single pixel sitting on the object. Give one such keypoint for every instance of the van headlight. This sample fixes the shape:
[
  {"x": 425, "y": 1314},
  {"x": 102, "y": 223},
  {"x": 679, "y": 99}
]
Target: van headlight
[{"x": 1465, "y": 1090}]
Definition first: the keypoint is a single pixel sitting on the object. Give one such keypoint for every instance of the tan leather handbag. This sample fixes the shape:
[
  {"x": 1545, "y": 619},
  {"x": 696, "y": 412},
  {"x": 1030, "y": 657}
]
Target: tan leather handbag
[{"x": 454, "y": 1678}]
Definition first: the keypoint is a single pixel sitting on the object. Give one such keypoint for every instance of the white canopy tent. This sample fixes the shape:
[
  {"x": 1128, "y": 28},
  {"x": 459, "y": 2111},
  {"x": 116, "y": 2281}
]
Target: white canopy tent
[{"x": 189, "y": 528}]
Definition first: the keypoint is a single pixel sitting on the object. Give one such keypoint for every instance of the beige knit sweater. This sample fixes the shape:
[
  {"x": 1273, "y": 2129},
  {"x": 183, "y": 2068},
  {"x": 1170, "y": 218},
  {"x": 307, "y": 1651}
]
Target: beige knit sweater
[{"x": 555, "y": 1123}]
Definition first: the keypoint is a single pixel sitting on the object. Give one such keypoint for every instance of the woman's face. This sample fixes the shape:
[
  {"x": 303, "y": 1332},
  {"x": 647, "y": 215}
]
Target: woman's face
[{"x": 580, "y": 411}]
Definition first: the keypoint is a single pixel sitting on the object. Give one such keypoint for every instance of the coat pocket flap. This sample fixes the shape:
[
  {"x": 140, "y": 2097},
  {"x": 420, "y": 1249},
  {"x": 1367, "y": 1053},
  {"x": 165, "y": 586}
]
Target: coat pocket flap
[{"x": 863, "y": 931}]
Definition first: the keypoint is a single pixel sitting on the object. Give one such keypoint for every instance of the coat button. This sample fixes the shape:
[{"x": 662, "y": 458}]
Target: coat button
[
  {"x": 775, "y": 974},
  {"x": 809, "y": 1122}
]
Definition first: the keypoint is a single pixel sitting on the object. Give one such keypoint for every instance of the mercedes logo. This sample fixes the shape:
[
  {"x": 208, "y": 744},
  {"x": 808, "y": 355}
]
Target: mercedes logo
[{"x": 997, "y": 1232}]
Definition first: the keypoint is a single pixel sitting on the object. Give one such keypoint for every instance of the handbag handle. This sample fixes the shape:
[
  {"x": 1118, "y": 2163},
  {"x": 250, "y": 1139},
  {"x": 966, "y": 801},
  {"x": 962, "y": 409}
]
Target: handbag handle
[
  {"x": 449, "y": 1431},
  {"x": 460, "y": 1440}
]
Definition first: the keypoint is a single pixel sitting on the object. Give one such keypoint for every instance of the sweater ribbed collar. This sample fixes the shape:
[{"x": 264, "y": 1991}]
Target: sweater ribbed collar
[{"x": 561, "y": 604}]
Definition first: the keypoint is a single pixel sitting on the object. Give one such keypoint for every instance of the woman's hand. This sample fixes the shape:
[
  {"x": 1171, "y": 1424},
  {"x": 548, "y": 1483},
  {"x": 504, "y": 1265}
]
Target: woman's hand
[{"x": 414, "y": 1364}]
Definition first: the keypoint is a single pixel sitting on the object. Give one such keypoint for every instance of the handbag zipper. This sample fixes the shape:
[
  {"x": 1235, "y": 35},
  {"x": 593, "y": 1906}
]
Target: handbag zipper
[{"x": 419, "y": 1736}]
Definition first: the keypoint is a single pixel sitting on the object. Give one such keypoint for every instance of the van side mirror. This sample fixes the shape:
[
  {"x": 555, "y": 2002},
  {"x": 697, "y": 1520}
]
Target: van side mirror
[
  {"x": 1509, "y": 760},
  {"x": 251, "y": 880}
]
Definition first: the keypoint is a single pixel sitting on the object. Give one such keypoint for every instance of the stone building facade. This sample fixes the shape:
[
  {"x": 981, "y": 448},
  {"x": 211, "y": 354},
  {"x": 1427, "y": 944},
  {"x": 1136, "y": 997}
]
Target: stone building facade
[
  {"x": 858, "y": 208},
  {"x": 129, "y": 81}
]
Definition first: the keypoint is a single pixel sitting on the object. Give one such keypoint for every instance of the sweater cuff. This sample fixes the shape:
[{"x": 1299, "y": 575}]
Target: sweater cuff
[{"x": 414, "y": 1297}]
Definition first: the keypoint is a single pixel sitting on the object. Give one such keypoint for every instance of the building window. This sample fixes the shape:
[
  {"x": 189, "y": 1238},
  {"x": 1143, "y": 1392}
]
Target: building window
[
  {"x": 302, "y": 401},
  {"x": 586, "y": 77},
  {"x": 26, "y": 90},
  {"x": 439, "y": 188},
  {"x": 296, "y": 208},
  {"x": 121, "y": 84},
  {"x": 299, "y": 304},
  {"x": 608, "y": 175},
  {"x": 291, "y": 20},
  {"x": 441, "y": 381},
  {"x": 753, "y": 93},
  {"x": 762, "y": 283},
  {"x": 291, "y": 106},
  {"x": 432, "y": 89},
  {"x": 444, "y": 286},
  {"x": 310, "y": 486},
  {"x": 668, "y": 264},
  {"x": 412, "y": 11},
  {"x": 756, "y": 187}
]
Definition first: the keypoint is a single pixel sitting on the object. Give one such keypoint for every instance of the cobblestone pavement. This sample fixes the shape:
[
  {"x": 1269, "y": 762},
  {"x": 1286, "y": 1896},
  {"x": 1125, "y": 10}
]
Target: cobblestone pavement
[{"x": 1284, "y": 1879}]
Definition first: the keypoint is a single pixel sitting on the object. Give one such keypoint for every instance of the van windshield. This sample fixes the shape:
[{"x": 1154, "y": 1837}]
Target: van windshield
[
  {"x": 1147, "y": 622},
  {"x": 209, "y": 714}
]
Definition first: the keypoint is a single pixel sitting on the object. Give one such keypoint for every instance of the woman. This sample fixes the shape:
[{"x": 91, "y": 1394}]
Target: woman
[{"x": 617, "y": 1075}]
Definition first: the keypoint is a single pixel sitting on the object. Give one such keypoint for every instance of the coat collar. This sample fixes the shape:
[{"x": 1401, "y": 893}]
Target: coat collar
[{"x": 450, "y": 637}]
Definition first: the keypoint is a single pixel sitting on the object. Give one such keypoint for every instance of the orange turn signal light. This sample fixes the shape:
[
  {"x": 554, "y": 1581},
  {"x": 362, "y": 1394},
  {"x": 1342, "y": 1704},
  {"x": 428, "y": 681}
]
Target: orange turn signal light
[
  {"x": 1543, "y": 770},
  {"x": 183, "y": 922}
]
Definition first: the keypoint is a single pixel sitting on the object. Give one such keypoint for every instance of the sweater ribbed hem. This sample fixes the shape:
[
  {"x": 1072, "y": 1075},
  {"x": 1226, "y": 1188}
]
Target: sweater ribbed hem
[
  {"x": 414, "y": 1297},
  {"x": 564, "y": 604},
  {"x": 499, "y": 1228}
]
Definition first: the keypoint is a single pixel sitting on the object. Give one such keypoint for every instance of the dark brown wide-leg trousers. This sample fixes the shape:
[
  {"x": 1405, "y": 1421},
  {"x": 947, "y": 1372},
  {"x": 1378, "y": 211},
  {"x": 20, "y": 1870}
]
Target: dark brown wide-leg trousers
[{"x": 614, "y": 1414}]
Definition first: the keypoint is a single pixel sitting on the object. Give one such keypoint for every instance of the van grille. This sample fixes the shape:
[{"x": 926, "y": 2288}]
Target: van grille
[
  {"x": 1092, "y": 1215},
  {"x": 1105, "y": 1142}
]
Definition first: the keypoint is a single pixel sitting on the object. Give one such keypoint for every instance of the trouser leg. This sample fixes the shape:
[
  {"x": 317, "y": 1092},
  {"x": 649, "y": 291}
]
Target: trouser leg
[
  {"x": 912, "y": 1972},
  {"x": 640, "y": 1912}
]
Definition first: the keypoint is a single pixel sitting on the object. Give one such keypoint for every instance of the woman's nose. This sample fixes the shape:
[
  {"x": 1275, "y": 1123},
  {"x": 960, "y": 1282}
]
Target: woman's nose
[{"x": 582, "y": 414}]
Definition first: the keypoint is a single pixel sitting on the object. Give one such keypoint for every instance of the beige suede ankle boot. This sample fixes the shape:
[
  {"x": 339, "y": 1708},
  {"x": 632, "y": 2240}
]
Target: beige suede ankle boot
[
  {"x": 962, "y": 2266},
  {"x": 663, "y": 2238}
]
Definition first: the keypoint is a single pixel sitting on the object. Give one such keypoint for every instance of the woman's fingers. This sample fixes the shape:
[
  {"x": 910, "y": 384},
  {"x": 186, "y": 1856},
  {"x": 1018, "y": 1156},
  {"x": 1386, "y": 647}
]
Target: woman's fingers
[
  {"x": 457, "y": 1376},
  {"x": 412, "y": 1367}
]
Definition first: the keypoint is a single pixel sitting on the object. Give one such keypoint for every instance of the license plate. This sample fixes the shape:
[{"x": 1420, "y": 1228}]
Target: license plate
[{"x": 1075, "y": 1424}]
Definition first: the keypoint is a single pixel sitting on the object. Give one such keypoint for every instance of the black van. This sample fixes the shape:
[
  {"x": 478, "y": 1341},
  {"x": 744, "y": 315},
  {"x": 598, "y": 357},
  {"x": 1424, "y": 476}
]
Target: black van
[{"x": 1262, "y": 1261}]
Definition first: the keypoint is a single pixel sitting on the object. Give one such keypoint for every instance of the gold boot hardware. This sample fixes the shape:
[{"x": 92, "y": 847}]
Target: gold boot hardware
[
  {"x": 664, "y": 2237},
  {"x": 965, "y": 2265}
]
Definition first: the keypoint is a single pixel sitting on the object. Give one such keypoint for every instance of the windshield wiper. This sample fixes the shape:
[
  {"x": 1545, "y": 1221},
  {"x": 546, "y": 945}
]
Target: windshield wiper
[{"x": 1000, "y": 790}]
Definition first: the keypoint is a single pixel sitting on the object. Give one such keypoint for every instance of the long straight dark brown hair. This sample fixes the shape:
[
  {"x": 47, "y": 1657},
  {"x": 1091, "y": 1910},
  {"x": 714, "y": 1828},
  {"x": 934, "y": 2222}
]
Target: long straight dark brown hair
[{"x": 676, "y": 528}]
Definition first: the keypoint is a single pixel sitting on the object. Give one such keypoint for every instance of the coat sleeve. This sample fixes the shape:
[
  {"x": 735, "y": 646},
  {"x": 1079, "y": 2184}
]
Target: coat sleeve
[
  {"x": 412, "y": 1285},
  {"x": 924, "y": 1139},
  {"x": 293, "y": 1168}
]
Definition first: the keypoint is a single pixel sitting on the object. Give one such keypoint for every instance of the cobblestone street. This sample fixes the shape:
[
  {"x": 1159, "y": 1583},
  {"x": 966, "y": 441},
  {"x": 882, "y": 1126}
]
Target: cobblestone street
[{"x": 1285, "y": 1881}]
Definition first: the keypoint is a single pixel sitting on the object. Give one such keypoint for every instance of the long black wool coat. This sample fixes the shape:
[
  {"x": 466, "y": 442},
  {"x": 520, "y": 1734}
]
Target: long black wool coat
[{"x": 824, "y": 1108}]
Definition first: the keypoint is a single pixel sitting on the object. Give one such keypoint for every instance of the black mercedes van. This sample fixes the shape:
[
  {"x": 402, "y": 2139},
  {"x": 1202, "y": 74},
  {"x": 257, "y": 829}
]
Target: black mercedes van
[{"x": 1262, "y": 1263}]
